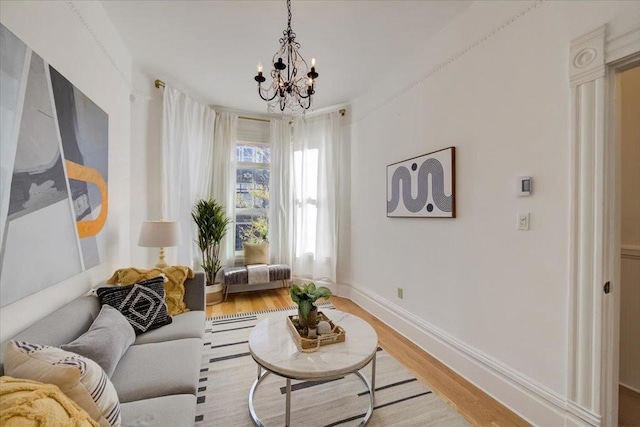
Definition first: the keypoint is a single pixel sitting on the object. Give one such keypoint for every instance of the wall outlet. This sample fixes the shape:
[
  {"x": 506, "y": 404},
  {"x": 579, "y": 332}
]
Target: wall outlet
[{"x": 400, "y": 293}]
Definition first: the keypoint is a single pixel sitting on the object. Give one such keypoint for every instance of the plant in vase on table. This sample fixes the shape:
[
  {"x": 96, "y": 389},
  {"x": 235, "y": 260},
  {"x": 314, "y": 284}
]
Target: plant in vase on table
[
  {"x": 305, "y": 296},
  {"x": 212, "y": 223}
]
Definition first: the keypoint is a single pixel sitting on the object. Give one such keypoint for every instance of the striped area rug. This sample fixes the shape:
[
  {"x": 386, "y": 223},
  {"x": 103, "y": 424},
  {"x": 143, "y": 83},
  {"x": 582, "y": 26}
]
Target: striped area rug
[{"x": 228, "y": 371}]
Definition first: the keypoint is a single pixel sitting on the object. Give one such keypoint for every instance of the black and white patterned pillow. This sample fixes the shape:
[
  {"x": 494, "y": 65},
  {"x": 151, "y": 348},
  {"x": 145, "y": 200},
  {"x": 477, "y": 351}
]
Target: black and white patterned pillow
[{"x": 142, "y": 303}]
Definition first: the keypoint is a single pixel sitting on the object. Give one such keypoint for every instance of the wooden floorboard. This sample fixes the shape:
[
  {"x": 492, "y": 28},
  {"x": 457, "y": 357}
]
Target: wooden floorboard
[
  {"x": 628, "y": 408},
  {"x": 472, "y": 403}
]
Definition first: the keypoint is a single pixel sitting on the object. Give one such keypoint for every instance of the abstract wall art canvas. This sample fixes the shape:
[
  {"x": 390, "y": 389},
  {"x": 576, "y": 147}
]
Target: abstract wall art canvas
[
  {"x": 423, "y": 186},
  {"x": 53, "y": 175}
]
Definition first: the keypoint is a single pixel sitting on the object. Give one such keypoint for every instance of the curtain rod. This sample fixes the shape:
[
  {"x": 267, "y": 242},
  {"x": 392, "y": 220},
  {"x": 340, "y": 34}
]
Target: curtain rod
[
  {"x": 252, "y": 118},
  {"x": 160, "y": 84}
]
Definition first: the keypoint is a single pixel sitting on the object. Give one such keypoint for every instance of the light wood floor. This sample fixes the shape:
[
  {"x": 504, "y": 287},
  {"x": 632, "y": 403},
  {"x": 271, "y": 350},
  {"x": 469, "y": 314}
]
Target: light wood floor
[{"x": 472, "y": 403}]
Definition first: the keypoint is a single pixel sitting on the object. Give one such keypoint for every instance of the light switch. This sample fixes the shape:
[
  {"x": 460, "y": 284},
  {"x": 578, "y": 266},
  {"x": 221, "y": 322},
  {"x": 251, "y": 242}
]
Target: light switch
[{"x": 523, "y": 221}]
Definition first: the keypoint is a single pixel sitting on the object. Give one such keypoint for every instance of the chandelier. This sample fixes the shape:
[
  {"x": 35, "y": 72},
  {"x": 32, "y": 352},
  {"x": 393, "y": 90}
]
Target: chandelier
[{"x": 292, "y": 83}]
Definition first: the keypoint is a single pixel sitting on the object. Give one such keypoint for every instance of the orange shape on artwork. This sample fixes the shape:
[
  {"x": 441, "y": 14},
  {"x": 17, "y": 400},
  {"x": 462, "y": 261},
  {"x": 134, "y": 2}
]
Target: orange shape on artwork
[{"x": 83, "y": 173}]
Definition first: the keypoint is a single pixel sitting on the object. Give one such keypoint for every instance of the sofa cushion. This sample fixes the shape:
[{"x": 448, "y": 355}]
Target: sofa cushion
[
  {"x": 175, "y": 411},
  {"x": 108, "y": 337},
  {"x": 82, "y": 379},
  {"x": 61, "y": 326},
  {"x": 186, "y": 325},
  {"x": 142, "y": 304},
  {"x": 26, "y": 403},
  {"x": 159, "y": 369},
  {"x": 174, "y": 284}
]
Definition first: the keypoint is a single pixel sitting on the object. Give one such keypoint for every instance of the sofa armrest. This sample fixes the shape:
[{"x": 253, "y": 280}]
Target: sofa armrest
[{"x": 194, "y": 292}]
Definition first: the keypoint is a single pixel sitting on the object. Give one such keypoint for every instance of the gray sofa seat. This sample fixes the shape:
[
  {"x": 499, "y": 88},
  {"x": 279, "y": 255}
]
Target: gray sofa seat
[
  {"x": 150, "y": 370},
  {"x": 185, "y": 325},
  {"x": 175, "y": 411}
]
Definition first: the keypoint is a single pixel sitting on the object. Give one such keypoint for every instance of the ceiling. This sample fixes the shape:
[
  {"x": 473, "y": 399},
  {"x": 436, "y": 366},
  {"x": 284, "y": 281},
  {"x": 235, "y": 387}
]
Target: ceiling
[{"x": 211, "y": 48}]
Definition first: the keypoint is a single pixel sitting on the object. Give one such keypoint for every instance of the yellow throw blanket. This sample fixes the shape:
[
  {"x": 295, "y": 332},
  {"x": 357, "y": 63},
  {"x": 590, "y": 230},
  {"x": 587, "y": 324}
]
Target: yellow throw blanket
[
  {"x": 25, "y": 403},
  {"x": 173, "y": 287}
]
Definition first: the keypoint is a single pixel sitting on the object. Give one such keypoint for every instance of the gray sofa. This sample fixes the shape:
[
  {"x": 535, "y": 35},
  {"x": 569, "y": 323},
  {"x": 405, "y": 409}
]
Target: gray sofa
[{"x": 157, "y": 378}]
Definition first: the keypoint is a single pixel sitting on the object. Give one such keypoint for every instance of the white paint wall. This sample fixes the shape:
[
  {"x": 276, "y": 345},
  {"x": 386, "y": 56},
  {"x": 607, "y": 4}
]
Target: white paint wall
[
  {"x": 146, "y": 160},
  {"x": 495, "y": 85},
  {"x": 78, "y": 39},
  {"x": 630, "y": 231}
]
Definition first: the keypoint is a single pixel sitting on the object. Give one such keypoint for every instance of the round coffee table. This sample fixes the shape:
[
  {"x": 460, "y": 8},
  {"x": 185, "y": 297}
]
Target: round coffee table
[{"x": 273, "y": 348}]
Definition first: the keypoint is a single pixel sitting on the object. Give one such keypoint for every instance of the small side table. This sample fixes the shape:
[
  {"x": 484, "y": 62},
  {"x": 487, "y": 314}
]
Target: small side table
[{"x": 275, "y": 351}]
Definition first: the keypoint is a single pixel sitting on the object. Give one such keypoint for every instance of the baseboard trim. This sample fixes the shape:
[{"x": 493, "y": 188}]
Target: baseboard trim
[
  {"x": 531, "y": 400},
  {"x": 628, "y": 387}
]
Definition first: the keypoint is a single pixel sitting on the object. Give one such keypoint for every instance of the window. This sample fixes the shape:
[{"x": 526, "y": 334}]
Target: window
[
  {"x": 306, "y": 200},
  {"x": 253, "y": 156}
]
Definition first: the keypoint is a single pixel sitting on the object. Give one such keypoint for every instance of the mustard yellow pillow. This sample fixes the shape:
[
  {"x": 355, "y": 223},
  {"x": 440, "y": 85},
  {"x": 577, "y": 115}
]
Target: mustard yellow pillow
[
  {"x": 173, "y": 286},
  {"x": 30, "y": 403},
  {"x": 256, "y": 253}
]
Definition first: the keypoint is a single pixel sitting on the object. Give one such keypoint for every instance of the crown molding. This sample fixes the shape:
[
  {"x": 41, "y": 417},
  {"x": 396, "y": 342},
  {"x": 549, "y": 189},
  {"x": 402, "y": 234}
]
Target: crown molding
[{"x": 72, "y": 5}]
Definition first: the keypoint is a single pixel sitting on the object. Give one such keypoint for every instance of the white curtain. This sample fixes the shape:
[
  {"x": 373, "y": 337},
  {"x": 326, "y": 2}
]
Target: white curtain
[
  {"x": 187, "y": 135},
  {"x": 223, "y": 181},
  {"x": 281, "y": 193},
  {"x": 315, "y": 164}
]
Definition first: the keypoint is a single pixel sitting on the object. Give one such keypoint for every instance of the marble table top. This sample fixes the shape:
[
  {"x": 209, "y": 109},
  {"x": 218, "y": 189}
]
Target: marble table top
[{"x": 272, "y": 345}]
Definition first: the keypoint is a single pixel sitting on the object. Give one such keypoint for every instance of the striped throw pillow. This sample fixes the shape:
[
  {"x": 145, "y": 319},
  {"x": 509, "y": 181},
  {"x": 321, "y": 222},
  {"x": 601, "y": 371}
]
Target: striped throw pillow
[{"x": 80, "y": 378}]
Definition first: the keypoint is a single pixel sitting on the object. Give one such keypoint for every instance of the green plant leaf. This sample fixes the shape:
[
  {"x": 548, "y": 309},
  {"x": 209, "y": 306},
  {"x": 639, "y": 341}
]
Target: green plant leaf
[
  {"x": 295, "y": 292},
  {"x": 305, "y": 308},
  {"x": 323, "y": 292}
]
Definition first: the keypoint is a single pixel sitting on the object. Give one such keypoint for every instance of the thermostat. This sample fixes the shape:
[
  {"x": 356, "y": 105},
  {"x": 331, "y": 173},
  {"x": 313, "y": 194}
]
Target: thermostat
[{"x": 525, "y": 184}]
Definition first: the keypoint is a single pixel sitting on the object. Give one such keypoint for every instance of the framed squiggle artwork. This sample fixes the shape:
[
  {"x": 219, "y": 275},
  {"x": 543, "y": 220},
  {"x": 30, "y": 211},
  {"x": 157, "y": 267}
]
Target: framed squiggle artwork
[{"x": 423, "y": 187}]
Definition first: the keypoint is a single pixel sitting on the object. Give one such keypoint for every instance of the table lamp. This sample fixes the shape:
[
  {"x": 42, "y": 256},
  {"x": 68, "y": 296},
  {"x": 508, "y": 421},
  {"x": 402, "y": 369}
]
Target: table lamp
[{"x": 159, "y": 234}]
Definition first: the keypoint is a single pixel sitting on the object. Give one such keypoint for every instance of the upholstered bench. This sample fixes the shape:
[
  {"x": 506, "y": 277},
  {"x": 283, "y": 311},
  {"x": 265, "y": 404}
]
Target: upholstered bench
[{"x": 240, "y": 276}]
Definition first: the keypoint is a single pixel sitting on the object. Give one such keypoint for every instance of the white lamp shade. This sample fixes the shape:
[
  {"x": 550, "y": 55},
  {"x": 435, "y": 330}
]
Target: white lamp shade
[{"x": 159, "y": 234}]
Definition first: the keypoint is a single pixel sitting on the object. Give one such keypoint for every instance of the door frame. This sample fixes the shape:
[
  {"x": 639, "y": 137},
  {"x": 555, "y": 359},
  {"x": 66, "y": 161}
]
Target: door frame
[{"x": 594, "y": 317}]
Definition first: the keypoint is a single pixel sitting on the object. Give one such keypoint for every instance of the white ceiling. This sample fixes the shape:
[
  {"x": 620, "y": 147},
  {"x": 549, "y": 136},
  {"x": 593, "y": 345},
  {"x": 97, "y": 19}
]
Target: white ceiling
[{"x": 211, "y": 48}]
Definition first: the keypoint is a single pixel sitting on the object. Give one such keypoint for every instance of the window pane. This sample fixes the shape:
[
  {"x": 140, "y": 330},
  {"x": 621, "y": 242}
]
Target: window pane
[
  {"x": 252, "y": 188},
  {"x": 251, "y": 228},
  {"x": 252, "y": 193},
  {"x": 248, "y": 153}
]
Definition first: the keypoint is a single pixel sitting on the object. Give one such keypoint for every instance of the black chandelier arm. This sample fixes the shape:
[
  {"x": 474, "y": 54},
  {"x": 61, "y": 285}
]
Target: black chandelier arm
[
  {"x": 308, "y": 93},
  {"x": 266, "y": 98},
  {"x": 308, "y": 104}
]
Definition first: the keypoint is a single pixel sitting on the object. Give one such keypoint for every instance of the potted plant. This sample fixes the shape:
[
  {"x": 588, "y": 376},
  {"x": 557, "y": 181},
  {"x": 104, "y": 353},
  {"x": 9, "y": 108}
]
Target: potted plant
[
  {"x": 305, "y": 296},
  {"x": 212, "y": 222}
]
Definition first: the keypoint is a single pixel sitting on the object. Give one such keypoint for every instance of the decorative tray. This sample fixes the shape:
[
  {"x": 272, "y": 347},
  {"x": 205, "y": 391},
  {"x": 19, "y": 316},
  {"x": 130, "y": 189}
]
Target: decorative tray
[{"x": 308, "y": 345}]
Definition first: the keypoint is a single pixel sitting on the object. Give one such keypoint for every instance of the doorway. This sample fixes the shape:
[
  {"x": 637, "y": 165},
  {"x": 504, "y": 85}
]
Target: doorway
[{"x": 627, "y": 112}]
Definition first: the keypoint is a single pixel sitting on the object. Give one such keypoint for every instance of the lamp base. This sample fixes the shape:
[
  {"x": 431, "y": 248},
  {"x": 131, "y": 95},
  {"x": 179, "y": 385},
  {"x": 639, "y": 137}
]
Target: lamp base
[{"x": 161, "y": 261}]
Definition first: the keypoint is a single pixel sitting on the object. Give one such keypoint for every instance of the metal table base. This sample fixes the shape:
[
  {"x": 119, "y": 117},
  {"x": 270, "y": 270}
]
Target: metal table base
[{"x": 263, "y": 373}]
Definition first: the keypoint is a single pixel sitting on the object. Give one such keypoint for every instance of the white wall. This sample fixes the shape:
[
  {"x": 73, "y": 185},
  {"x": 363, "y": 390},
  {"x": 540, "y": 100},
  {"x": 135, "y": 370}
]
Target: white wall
[
  {"x": 494, "y": 84},
  {"x": 146, "y": 159},
  {"x": 79, "y": 41},
  {"x": 630, "y": 259}
]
